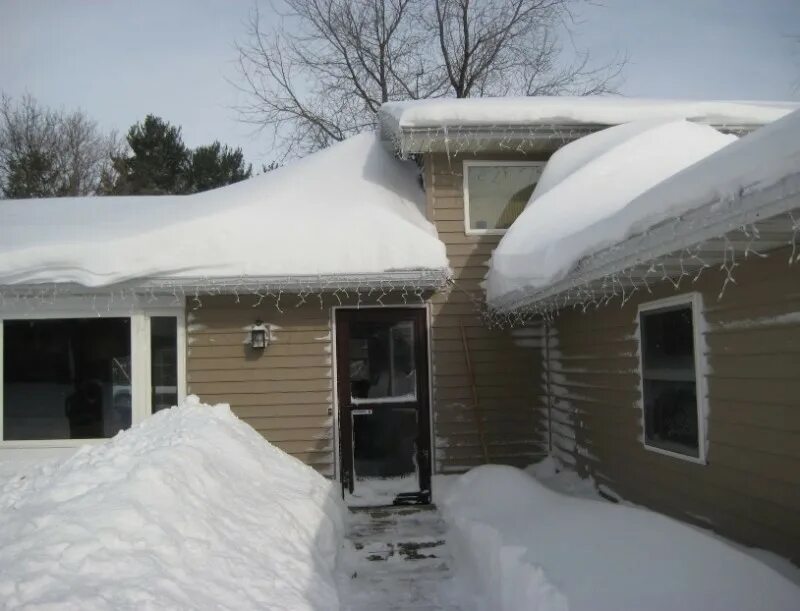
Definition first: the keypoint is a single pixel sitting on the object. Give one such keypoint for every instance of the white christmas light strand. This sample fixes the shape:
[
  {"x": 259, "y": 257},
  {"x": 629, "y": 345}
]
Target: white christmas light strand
[
  {"x": 622, "y": 285},
  {"x": 281, "y": 295}
]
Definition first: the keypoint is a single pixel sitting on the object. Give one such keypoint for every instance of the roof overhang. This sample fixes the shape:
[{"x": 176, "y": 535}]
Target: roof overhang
[
  {"x": 410, "y": 281},
  {"x": 523, "y": 139},
  {"x": 721, "y": 233}
]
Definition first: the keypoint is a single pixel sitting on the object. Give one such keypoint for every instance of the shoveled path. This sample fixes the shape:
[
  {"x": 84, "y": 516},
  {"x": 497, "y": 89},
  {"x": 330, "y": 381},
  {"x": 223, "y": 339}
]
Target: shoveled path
[{"x": 401, "y": 561}]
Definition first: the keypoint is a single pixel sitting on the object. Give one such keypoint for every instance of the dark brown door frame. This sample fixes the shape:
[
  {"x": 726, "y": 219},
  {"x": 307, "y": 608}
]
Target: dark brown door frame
[{"x": 419, "y": 315}]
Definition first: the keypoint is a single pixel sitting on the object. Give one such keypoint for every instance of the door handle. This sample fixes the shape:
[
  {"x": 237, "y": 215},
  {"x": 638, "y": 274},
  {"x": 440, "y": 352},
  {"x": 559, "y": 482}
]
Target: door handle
[{"x": 361, "y": 412}]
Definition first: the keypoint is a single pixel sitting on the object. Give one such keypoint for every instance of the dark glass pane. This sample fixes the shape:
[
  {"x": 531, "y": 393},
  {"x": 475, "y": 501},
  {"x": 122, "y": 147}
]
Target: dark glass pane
[
  {"x": 671, "y": 415},
  {"x": 384, "y": 451},
  {"x": 164, "y": 361},
  {"x": 668, "y": 372},
  {"x": 668, "y": 341},
  {"x": 67, "y": 378},
  {"x": 382, "y": 361}
]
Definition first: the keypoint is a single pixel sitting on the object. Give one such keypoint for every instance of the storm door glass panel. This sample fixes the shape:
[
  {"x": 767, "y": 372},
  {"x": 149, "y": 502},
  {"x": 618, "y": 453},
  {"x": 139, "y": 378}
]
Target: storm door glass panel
[
  {"x": 66, "y": 378},
  {"x": 384, "y": 453},
  {"x": 669, "y": 380},
  {"x": 497, "y": 194},
  {"x": 382, "y": 366},
  {"x": 163, "y": 362}
]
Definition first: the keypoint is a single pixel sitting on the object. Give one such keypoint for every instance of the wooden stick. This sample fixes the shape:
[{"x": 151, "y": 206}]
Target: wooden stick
[{"x": 475, "y": 404}]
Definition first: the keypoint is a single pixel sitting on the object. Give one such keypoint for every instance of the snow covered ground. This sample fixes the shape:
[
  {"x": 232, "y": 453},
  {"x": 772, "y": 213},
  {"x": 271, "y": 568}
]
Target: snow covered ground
[
  {"x": 191, "y": 509},
  {"x": 550, "y": 545}
]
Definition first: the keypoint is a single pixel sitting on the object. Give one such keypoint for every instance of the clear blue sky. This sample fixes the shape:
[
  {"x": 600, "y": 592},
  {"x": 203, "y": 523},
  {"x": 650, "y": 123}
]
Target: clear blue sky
[{"x": 121, "y": 59}]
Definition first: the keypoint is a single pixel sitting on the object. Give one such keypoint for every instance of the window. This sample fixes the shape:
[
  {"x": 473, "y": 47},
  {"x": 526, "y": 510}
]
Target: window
[
  {"x": 163, "y": 362},
  {"x": 496, "y": 192},
  {"x": 76, "y": 375},
  {"x": 382, "y": 364},
  {"x": 673, "y": 385}
]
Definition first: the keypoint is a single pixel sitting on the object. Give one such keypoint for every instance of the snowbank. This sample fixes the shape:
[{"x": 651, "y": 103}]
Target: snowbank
[
  {"x": 349, "y": 209},
  {"x": 521, "y": 546},
  {"x": 566, "y": 110},
  {"x": 584, "y": 183},
  {"x": 191, "y": 509}
]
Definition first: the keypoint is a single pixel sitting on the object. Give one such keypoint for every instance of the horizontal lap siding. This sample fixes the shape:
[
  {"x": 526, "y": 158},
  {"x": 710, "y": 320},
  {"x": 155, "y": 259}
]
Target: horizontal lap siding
[
  {"x": 750, "y": 488},
  {"x": 507, "y": 376},
  {"x": 284, "y": 392}
]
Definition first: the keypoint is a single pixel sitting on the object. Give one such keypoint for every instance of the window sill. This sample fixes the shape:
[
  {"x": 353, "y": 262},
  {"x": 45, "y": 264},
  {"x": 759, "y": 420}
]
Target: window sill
[{"x": 701, "y": 460}]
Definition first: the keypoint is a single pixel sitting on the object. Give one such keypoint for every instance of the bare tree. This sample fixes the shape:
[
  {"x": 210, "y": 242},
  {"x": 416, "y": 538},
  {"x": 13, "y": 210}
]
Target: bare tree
[
  {"x": 323, "y": 74},
  {"x": 48, "y": 153}
]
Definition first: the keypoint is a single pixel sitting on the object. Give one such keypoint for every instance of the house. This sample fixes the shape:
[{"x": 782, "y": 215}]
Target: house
[
  {"x": 669, "y": 325},
  {"x": 337, "y": 303}
]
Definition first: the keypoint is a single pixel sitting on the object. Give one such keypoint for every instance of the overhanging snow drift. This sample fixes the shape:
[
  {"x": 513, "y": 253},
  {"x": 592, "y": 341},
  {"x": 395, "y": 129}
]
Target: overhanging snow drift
[
  {"x": 351, "y": 211},
  {"x": 750, "y": 188},
  {"x": 585, "y": 182}
]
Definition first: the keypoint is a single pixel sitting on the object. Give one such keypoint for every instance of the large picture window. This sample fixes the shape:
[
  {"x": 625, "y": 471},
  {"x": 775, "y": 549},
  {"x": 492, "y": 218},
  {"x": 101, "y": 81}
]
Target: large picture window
[
  {"x": 673, "y": 384},
  {"x": 496, "y": 192},
  {"x": 81, "y": 376}
]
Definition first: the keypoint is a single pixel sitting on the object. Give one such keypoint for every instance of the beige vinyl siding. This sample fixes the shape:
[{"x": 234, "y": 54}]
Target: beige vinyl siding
[
  {"x": 750, "y": 488},
  {"x": 507, "y": 376},
  {"x": 284, "y": 392}
]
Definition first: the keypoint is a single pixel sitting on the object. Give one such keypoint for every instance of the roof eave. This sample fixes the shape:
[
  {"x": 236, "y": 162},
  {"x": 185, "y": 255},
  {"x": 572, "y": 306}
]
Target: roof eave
[
  {"x": 395, "y": 280},
  {"x": 455, "y": 139},
  {"x": 709, "y": 232}
]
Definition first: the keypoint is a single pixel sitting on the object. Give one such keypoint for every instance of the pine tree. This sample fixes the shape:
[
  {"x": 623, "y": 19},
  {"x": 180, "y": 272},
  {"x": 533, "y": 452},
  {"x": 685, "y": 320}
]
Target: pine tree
[
  {"x": 31, "y": 174},
  {"x": 158, "y": 162},
  {"x": 216, "y": 165}
]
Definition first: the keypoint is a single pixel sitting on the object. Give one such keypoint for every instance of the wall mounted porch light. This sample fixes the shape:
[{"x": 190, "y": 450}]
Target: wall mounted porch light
[{"x": 259, "y": 336}]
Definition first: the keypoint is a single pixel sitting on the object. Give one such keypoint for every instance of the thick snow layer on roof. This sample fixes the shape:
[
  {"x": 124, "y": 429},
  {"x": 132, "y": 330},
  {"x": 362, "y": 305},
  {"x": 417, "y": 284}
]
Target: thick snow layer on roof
[
  {"x": 565, "y": 110},
  {"x": 584, "y": 183},
  {"x": 539, "y": 549},
  {"x": 349, "y": 209},
  {"x": 192, "y": 509}
]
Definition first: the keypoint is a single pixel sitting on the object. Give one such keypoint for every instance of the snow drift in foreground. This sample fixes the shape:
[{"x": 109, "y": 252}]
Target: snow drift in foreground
[
  {"x": 349, "y": 209},
  {"x": 583, "y": 183},
  {"x": 520, "y": 546},
  {"x": 192, "y": 509}
]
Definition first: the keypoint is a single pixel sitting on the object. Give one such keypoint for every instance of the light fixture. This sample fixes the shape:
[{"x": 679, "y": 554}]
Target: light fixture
[{"x": 259, "y": 336}]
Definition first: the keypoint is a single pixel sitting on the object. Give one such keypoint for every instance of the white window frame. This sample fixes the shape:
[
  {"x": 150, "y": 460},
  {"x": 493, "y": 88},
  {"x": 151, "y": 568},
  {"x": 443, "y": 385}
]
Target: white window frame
[
  {"x": 139, "y": 315},
  {"x": 695, "y": 301},
  {"x": 467, "y": 164}
]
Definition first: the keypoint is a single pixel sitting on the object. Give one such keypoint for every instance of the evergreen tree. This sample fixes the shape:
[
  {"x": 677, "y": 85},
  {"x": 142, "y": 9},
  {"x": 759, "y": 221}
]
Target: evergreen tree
[
  {"x": 31, "y": 174},
  {"x": 216, "y": 165},
  {"x": 158, "y": 162}
]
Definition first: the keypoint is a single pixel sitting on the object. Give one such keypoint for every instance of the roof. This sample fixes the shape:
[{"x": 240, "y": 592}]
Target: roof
[
  {"x": 744, "y": 197},
  {"x": 528, "y": 123},
  {"x": 350, "y": 215}
]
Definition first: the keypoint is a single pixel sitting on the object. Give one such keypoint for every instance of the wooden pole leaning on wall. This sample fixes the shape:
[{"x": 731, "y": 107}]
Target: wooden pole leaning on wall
[{"x": 475, "y": 405}]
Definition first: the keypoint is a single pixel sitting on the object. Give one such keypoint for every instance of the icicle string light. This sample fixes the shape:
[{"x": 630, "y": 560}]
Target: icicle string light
[
  {"x": 279, "y": 295},
  {"x": 673, "y": 268}
]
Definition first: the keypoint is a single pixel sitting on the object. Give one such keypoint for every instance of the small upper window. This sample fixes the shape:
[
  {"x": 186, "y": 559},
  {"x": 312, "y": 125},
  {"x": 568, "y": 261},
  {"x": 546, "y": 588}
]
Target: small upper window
[
  {"x": 496, "y": 192},
  {"x": 672, "y": 378}
]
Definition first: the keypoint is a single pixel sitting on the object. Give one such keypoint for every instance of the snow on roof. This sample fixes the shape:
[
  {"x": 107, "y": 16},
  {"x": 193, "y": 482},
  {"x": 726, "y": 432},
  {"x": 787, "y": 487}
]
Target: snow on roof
[
  {"x": 351, "y": 209},
  {"x": 566, "y": 110},
  {"x": 583, "y": 183},
  {"x": 755, "y": 178}
]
